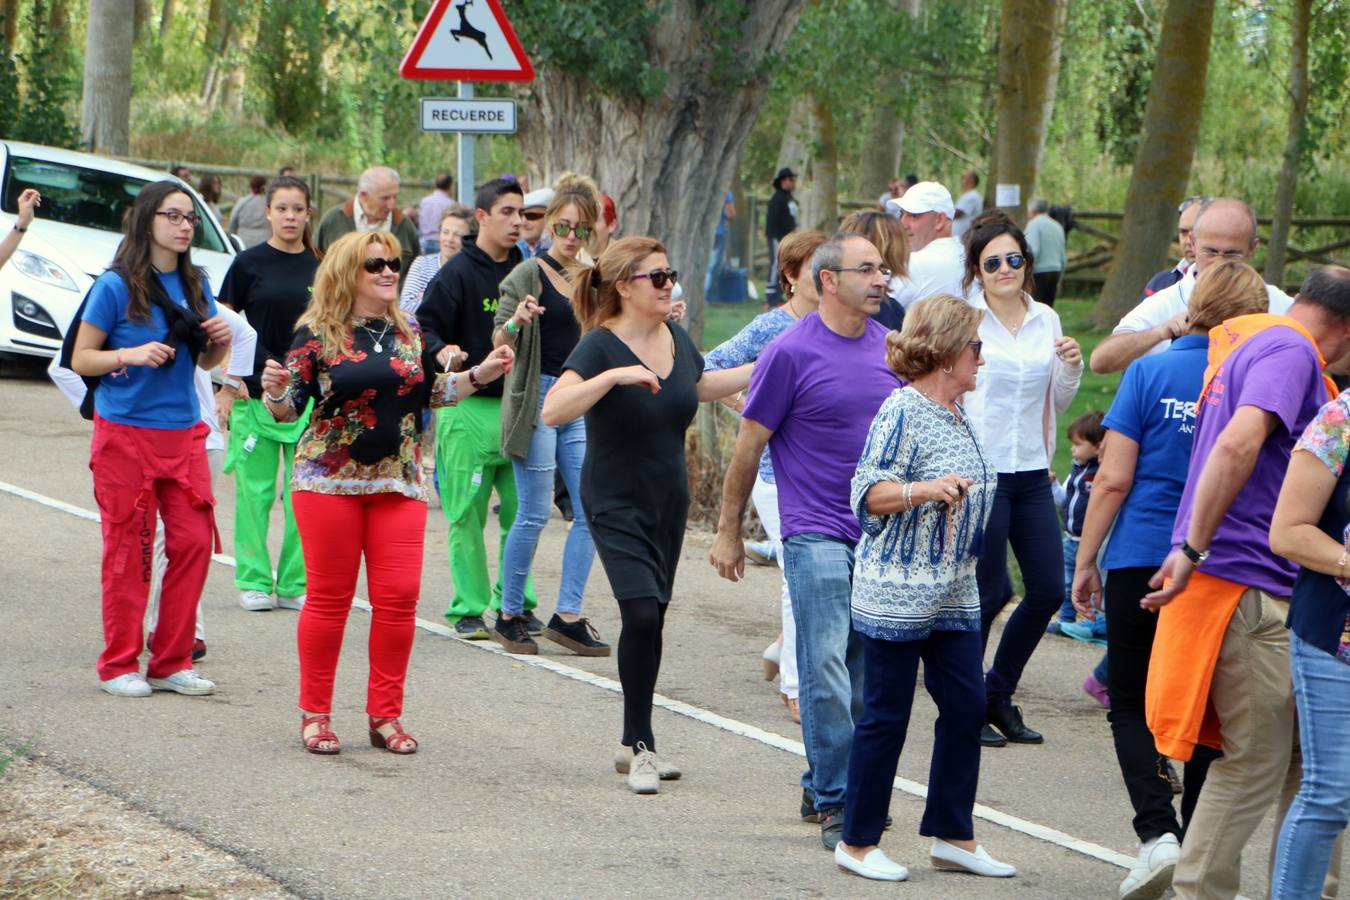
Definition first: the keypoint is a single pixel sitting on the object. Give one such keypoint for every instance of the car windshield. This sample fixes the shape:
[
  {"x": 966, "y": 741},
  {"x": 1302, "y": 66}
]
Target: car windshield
[{"x": 87, "y": 197}]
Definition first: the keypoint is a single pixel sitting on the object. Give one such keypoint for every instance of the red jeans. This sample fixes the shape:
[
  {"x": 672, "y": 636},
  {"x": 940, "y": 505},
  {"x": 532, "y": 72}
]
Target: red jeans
[
  {"x": 138, "y": 471},
  {"x": 335, "y": 531}
]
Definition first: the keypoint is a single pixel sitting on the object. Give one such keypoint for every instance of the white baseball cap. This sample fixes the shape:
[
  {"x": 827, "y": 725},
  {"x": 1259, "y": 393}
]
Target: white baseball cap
[
  {"x": 541, "y": 197},
  {"x": 925, "y": 197}
]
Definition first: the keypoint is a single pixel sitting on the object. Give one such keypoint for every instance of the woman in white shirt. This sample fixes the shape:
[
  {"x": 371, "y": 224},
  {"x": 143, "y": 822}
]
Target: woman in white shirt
[{"x": 1031, "y": 373}]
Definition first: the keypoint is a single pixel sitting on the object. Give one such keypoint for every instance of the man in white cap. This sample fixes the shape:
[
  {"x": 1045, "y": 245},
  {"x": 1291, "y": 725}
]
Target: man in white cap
[
  {"x": 936, "y": 259},
  {"x": 533, "y": 241}
]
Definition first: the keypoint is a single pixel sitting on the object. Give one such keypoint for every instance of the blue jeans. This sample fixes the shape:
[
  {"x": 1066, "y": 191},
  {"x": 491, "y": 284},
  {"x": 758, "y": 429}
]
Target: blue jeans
[
  {"x": 719, "y": 251},
  {"x": 1321, "y": 810},
  {"x": 561, "y": 448},
  {"x": 1024, "y": 513},
  {"x": 819, "y": 570},
  {"x": 1066, "y": 611}
]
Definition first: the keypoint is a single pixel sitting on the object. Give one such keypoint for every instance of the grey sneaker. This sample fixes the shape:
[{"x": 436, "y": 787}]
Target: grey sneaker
[
  {"x": 643, "y": 777},
  {"x": 471, "y": 628},
  {"x": 831, "y": 827},
  {"x": 623, "y": 761}
]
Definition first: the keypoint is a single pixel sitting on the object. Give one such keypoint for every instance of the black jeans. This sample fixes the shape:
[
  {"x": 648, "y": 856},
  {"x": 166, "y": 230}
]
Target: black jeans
[
  {"x": 1047, "y": 287},
  {"x": 1129, "y": 638},
  {"x": 1024, "y": 513}
]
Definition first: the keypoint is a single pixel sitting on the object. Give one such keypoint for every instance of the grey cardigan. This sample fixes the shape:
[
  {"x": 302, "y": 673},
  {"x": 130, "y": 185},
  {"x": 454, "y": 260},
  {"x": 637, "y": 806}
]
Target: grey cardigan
[{"x": 520, "y": 393}]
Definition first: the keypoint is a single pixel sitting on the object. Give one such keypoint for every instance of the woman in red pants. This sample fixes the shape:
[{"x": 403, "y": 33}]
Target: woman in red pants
[
  {"x": 146, "y": 324},
  {"x": 356, "y": 485}
]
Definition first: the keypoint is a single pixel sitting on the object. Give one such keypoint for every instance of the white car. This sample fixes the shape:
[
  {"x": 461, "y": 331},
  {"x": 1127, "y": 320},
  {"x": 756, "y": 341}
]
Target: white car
[{"x": 74, "y": 237}]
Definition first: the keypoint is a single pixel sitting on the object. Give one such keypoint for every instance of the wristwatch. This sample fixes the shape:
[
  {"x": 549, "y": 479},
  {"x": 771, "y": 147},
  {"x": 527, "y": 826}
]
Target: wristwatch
[{"x": 1195, "y": 556}]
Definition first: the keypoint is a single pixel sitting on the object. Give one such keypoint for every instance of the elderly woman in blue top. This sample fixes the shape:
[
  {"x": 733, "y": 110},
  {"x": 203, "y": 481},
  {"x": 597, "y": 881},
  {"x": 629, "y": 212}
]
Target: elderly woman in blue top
[{"x": 923, "y": 492}]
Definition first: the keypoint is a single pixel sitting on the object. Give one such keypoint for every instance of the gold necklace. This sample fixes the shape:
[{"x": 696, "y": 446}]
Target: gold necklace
[{"x": 379, "y": 341}]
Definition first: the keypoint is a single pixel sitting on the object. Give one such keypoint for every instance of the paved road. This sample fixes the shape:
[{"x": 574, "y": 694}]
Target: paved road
[{"x": 513, "y": 792}]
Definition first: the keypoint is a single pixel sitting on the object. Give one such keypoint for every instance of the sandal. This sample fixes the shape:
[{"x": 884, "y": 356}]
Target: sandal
[
  {"x": 399, "y": 742},
  {"x": 323, "y": 736}
]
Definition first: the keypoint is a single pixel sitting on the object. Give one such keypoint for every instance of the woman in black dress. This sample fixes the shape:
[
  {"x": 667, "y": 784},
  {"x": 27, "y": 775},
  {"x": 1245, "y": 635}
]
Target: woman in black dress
[{"x": 635, "y": 413}]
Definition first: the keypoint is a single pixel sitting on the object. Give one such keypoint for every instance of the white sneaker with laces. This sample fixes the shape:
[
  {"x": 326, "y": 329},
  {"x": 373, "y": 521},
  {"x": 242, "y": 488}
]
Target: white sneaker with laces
[
  {"x": 255, "y": 601},
  {"x": 185, "y": 682},
  {"x": 951, "y": 858},
  {"x": 132, "y": 684},
  {"x": 1151, "y": 874},
  {"x": 642, "y": 774},
  {"x": 875, "y": 865},
  {"x": 297, "y": 602}
]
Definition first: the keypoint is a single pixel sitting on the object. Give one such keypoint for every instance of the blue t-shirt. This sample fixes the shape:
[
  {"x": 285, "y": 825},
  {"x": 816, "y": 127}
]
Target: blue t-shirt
[
  {"x": 1155, "y": 408},
  {"x": 146, "y": 397}
]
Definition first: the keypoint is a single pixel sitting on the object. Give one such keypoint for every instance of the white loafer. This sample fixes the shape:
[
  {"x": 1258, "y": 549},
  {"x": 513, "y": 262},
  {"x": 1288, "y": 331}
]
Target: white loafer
[
  {"x": 132, "y": 684},
  {"x": 950, "y": 858},
  {"x": 875, "y": 865}
]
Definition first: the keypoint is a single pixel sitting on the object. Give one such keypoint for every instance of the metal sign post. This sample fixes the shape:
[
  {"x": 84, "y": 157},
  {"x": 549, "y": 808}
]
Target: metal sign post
[{"x": 466, "y": 143}]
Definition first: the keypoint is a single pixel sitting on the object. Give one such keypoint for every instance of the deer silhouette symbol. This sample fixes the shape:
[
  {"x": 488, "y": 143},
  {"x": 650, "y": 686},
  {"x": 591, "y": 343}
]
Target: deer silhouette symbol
[{"x": 466, "y": 30}]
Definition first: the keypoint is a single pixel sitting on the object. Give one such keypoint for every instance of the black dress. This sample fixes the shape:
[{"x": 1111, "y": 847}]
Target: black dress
[{"x": 634, "y": 485}]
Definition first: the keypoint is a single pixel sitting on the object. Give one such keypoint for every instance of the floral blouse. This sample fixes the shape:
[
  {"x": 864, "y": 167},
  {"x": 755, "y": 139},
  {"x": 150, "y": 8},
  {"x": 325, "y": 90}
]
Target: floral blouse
[
  {"x": 363, "y": 435},
  {"x": 915, "y": 570},
  {"x": 1317, "y": 610},
  {"x": 745, "y": 347}
]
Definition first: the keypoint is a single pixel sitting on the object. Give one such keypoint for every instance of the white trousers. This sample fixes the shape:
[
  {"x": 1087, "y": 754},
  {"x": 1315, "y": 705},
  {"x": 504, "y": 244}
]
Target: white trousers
[{"x": 765, "y": 497}]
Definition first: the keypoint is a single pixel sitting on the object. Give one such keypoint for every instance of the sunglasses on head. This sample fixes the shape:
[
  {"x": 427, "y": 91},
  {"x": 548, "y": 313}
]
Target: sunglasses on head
[
  {"x": 532, "y": 216},
  {"x": 993, "y": 263},
  {"x": 375, "y": 265},
  {"x": 583, "y": 232},
  {"x": 660, "y": 277}
]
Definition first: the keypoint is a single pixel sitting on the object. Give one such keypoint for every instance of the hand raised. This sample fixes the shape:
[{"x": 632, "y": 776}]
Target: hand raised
[
  {"x": 1069, "y": 352},
  {"x": 637, "y": 375},
  {"x": 275, "y": 377},
  {"x": 527, "y": 310},
  {"x": 496, "y": 364}
]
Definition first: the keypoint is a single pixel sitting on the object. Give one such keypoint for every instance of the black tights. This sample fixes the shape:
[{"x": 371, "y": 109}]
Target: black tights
[{"x": 639, "y": 661}]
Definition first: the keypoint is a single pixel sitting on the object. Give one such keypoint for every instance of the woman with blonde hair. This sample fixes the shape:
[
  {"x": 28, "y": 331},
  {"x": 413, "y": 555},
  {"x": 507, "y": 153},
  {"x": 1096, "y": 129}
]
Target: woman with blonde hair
[
  {"x": 888, "y": 236},
  {"x": 923, "y": 492},
  {"x": 638, "y": 379},
  {"x": 1134, "y": 499},
  {"x": 535, "y": 318},
  {"x": 356, "y": 485}
]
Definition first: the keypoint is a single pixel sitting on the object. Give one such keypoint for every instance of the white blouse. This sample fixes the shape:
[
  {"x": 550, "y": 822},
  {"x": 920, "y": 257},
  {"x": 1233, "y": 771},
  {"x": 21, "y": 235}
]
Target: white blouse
[{"x": 1020, "y": 389}]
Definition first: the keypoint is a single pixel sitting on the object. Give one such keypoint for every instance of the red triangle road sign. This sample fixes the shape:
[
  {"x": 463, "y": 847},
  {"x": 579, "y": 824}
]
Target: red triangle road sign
[{"x": 466, "y": 40}]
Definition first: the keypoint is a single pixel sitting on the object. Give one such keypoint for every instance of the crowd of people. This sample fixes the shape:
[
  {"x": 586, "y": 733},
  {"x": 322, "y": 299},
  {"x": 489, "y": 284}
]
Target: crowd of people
[{"x": 898, "y": 406}]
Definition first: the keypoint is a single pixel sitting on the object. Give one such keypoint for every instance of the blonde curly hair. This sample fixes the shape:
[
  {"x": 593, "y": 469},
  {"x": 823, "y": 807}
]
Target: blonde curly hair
[{"x": 935, "y": 331}]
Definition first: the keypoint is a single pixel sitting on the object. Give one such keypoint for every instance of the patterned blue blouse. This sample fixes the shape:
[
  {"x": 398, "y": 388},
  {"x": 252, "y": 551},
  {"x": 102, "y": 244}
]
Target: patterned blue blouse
[
  {"x": 745, "y": 346},
  {"x": 915, "y": 570}
]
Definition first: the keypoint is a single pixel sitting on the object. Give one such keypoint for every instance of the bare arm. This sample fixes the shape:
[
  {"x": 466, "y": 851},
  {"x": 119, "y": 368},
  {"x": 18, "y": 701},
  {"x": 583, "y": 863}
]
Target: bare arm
[
  {"x": 724, "y": 383},
  {"x": 28, "y": 200},
  {"x": 1294, "y": 533},
  {"x": 887, "y": 497},
  {"x": 728, "y": 554},
  {"x": 572, "y": 397},
  {"x": 1119, "y": 350},
  {"x": 91, "y": 360}
]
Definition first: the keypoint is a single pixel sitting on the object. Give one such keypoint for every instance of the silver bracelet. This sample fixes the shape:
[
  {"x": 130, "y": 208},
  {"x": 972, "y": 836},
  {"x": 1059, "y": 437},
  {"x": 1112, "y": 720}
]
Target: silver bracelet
[{"x": 909, "y": 495}]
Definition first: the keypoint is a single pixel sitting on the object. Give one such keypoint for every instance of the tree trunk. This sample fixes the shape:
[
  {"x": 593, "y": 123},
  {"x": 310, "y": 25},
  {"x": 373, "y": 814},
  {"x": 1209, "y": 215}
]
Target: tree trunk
[
  {"x": 1162, "y": 165},
  {"x": 232, "y": 90},
  {"x": 820, "y": 200},
  {"x": 106, "y": 121},
  {"x": 880, "y": 160},
  {"x": 1031, "y": 33},
  {"x": 145, "y": 9},
  {"x": 11, "y": 13},
  {"x": 165, "y": 19},
  {"x": 217, "y": 39},
  {"x": 1293, "y": 149},
  {"x": 666, "y": 160},
  {"x": 799, "y": 136}
]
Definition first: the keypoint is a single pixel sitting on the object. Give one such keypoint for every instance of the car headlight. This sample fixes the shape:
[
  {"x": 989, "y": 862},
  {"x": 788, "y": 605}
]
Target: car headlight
[{"x": 43, "y": 269}]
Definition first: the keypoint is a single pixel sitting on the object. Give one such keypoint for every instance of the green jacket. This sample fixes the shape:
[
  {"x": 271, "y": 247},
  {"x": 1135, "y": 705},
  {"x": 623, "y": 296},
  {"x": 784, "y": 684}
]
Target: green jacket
[
  {"x": 341, "y": 220},
  {"x": 520, "y": 393}
]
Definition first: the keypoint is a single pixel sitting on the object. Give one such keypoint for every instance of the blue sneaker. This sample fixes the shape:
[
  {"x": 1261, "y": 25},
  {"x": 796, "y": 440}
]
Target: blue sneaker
[{"x": 1081, "y": 631}]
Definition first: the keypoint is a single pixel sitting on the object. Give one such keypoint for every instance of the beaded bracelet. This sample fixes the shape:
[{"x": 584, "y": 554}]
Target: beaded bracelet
[
  {"x": 284, "y": 394},
  {"x": 473, "y": 379}
]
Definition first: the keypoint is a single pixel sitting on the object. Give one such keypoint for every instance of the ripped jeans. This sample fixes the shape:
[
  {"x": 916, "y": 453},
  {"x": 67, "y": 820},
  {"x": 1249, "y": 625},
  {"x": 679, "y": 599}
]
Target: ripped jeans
[{"x": 562, "y": 447}]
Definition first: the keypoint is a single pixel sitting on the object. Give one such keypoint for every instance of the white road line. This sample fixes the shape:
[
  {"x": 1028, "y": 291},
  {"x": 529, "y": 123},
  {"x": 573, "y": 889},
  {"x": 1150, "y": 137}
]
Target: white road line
[{"x": 913, "y": 788}]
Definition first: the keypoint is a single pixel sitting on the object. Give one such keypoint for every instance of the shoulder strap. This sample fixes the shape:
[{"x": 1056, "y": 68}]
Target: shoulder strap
[{"x": 551, "y": 263}]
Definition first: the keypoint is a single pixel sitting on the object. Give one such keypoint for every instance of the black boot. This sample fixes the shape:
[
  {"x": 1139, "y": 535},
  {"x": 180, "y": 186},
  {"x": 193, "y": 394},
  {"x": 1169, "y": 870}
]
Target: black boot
[{"x": 1008, "y": 719}]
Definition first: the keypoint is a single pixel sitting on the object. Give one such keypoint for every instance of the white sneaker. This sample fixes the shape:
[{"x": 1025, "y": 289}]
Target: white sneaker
[
  {"x": 642, "y": 774},
  {"x": 952, "y": 858},
  {"x": 1151, "y": 874},
  {"x": 255, "y": 601},
  {"x": 184, "y": 682},
  {"x": 297, "y": 602},
  {"x": 875, "y": 865},
  {"x": 132, "y": 684},
  {"x": 623, "y": 760}
]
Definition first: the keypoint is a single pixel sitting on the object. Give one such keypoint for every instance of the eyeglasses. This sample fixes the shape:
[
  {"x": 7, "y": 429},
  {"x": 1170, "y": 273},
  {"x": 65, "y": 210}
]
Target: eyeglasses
[
  {"x": 1215, "y": 253},
  {"x": 979, "y": 347},
  {"x": 532, "y": 216},
  {"x": 1198, "y": 198},
  {"x": 660, "y": 277},
  {"x": 375, "y": 265},
  {"x": 866, "y": 270},
  {"x": 992, "y": 264},
  {"x": 178, "y": 217},
  {"x": 562, "y": 229}
]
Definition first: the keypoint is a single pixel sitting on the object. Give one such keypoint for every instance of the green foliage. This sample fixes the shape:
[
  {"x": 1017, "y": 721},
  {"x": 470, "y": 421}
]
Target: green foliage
[
  {"x": 607, "y": 41},
  {"x": 288, "y": 61},
  {"x": 38, "y": 88}
]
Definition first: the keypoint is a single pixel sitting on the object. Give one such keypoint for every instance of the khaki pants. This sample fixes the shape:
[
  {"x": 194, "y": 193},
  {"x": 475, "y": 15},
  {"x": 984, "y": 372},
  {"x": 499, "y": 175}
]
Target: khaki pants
[{"x": 1252, "y": 693}]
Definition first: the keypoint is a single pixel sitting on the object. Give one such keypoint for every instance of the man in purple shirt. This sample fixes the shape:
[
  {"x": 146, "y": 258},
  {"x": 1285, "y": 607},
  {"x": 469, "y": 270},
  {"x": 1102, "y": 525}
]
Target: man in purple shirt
[
  {"x": 1253, "y": 411},
  {"x": 813, "y": 396},
  {"x": 430, "y": 210}
]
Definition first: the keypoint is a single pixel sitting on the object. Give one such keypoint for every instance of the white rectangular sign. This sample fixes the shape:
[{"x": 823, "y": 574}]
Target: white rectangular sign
[{"x": 471, "y": 116}]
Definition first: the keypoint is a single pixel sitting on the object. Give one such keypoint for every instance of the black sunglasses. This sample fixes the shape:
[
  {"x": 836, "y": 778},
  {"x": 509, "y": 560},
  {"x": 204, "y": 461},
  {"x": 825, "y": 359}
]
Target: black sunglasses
[
  {"x": 583, "y": 232},
  {"x": 375, "y": 265},
  {"x": 979, "y": 347},
  {"x": 532, "y": 216},
  {"x": 660, "y": 277},
  {"x": 993, "y": 263}
]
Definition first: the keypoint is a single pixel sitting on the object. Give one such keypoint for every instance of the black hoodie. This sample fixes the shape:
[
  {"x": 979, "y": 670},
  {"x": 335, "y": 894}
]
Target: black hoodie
[{"x": 461, "y": 302}]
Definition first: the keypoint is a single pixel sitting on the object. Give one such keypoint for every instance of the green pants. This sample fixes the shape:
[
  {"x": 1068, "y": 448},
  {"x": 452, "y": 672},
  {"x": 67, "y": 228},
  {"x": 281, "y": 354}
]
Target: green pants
[
  {"x": 469, "y": 465},
  {"x": 258, "y": 445}
]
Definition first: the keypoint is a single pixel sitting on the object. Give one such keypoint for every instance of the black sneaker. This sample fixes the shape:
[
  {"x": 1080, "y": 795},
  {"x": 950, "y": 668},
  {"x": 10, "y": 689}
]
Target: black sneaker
[
  {"x": 809, "y": 813},
  {"x": 511, "y": 634},
  {"x": 580, "y": 636},
  {"x": 532, "y": 623},
  {"x": 1008, "y": 720},
  {"x": 198, "y": 649},
  {"x": 831, "y": 827},
  {"x": 471, "y": 628}
]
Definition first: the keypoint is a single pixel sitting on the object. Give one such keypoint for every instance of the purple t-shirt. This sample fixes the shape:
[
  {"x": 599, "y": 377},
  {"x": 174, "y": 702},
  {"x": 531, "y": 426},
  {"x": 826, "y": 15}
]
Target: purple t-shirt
[
  {"x": 818, "y": 392},
  {"x": 1276, "y": 371}
]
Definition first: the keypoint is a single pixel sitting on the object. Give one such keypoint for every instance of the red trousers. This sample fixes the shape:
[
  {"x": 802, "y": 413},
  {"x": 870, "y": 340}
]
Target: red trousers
[
  {"x": 138, "y": 472},
  {"x": 335, "y": 532}
]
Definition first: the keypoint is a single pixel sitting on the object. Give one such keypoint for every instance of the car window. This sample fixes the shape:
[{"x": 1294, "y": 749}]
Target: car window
[{"x": 76, "y": 195}]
